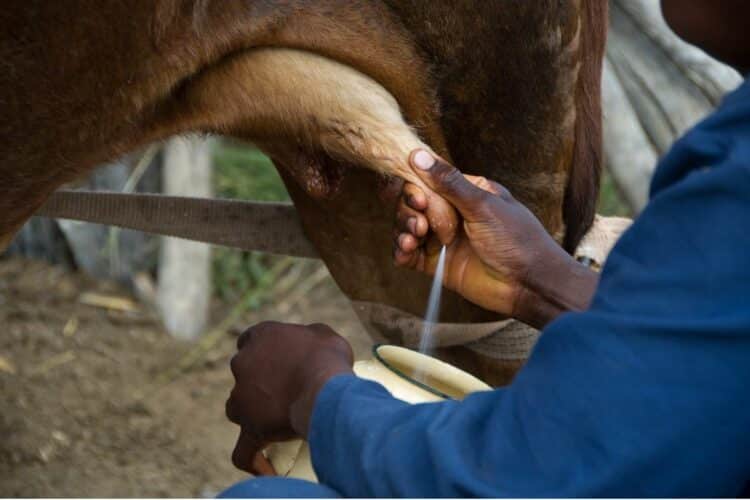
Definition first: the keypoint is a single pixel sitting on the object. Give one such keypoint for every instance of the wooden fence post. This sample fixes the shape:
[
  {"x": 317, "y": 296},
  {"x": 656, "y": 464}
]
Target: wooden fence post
[{"x": 184, "y": 291}]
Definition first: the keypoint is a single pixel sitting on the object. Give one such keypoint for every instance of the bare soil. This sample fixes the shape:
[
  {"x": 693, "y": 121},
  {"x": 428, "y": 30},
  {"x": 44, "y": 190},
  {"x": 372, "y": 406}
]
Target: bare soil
[{"x": 91, "y": 402}]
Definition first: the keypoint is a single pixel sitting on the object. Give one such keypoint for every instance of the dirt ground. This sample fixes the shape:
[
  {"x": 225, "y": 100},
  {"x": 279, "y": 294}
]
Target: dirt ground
[{"x": 93, "y": 401}]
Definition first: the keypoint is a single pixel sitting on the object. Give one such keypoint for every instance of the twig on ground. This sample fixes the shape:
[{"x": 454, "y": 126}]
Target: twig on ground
[
  {"x": 6, "y": 366},
  {"x": 123, "y": 304},
  {"x": 53, "y": 362},
  {"x": 303, "y": 288},
  {"x": 71, "y": 327}
]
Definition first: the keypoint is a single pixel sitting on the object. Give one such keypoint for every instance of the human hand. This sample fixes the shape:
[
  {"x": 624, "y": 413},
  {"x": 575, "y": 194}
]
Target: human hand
[
  {"x": 278, "y": 370},
  {"x": 500, "y": 257}
]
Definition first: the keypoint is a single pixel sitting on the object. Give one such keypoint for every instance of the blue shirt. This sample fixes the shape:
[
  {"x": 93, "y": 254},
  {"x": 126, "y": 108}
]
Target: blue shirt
[{"x": 645, "y": 394}]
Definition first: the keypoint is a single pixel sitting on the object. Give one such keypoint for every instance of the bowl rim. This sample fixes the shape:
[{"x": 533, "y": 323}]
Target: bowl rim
[{"x": 406, "y": 377}]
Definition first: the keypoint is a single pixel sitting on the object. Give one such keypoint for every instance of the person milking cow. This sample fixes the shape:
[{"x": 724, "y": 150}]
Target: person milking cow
[{"x": 638, "y": 383}]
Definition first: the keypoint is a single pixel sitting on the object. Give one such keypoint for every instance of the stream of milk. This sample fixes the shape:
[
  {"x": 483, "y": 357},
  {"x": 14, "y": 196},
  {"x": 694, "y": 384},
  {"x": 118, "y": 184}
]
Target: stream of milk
[{"x": 433, "y": 306}]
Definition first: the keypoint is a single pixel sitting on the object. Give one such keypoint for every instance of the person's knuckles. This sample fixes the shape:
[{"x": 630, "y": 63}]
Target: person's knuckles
[
  {"x": 407, "y": 242},
  {"x": 421, "y": 226},
  {"x": 406, "y": 219},
  {"x": 402, "y": 259},
  {"x": 231, "y": 409},
  {"x": 345, "y": 350},
  {"x": 268, "y": 327},
  {"x": 419, "y": 264},
  {"x": 244, "y": 451},
  {"x": 239, "y": 461},
  {"x": 412, "y": 225},
  {"x": 444, "y": 177},
  {"x": 342, "y": 346},
  {"x": 417, "y": 201},
  {"x": 235, "y": 366},
  {"x": 257, "y": 331},
  {"x": 411, "y": 222},
  {"x": 491, "y": 209},
  {"x": 415, "y": 259},
  {"x": 442, "y": 218},
  {"x": 274, "y": 335},
  {"x": 399, "y": 242},
  {"x": 449, "y": 182},
  {"x": 328, "y": 339},
  {"x": 413, "y": 192},
  {"x": 322, "y": 329}
]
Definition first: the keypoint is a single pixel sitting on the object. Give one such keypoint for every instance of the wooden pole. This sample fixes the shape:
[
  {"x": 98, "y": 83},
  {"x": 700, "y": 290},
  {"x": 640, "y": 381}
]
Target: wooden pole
[{"x": 184, "y": 291}]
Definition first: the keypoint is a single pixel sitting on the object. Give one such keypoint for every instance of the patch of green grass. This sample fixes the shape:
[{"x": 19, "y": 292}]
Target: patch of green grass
[
  {"x": 243, "y": 172},
  {"x": 611, "y": 201},
  {"x": 246, "y": 173}
]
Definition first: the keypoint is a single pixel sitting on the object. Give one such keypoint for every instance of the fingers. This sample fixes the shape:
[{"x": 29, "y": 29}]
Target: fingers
[
  {"x": 247, "y": 446},
  {"x": 409, "y": 213},
  {"x": 407, "y": 243},
  {"x": 405, "y": 259},
  {"x": 248, "y": 455},
  {"x": 262, "y": 466},
  {"x": 416, "y": 213},
  {"x": 231, "y": 410},
  {"x": 414, "y": 197},
  {"x": 447, "y": 181},
  {"x": 442, "y": 218},
  {"x": 411, "y": 221},
  {"x": 437, "y": 212},
  {"x": 411, "y": 226},
  {"x": 423, "y": 258}
]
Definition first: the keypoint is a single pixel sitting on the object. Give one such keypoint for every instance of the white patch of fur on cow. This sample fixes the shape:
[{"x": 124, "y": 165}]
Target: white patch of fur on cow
[
  {"x": 290, "y": 98},
  {"x": 602, "y": 236}
]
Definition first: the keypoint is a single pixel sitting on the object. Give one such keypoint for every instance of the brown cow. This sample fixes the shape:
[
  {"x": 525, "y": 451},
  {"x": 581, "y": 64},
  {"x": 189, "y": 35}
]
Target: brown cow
[{"x": 508, "y": 89}]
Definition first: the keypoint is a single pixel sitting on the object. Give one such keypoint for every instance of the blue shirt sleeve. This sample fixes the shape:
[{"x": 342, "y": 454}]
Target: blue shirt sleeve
[{"x": 645, "y": 394}]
